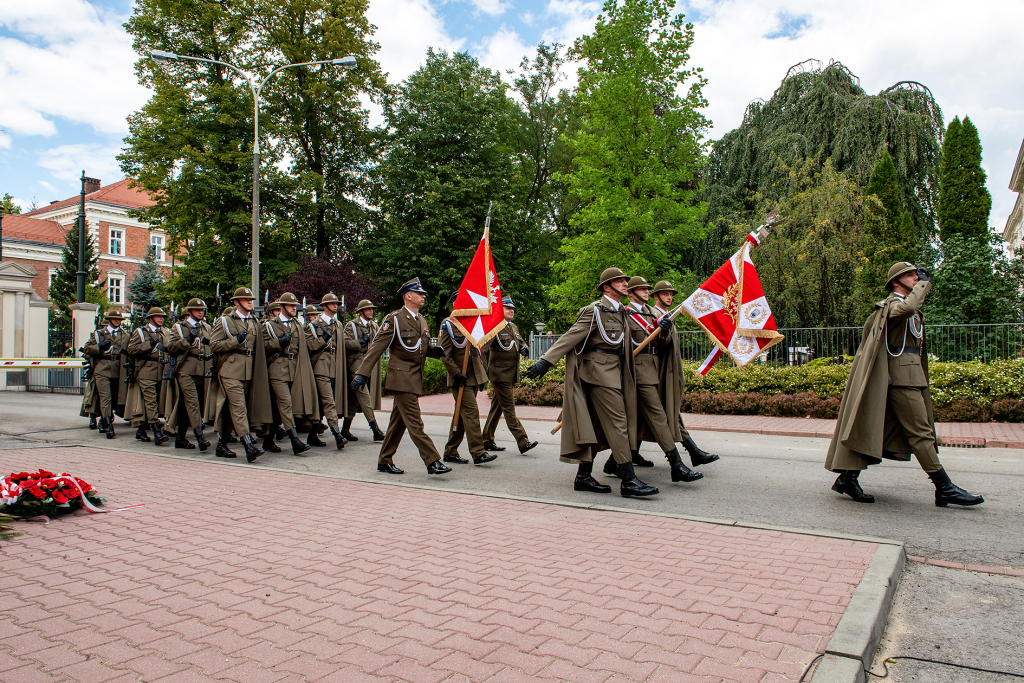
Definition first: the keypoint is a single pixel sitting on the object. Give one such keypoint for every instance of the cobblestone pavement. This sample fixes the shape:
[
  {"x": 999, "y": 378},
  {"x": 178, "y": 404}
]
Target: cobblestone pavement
[{"x": 248, "y": 575}]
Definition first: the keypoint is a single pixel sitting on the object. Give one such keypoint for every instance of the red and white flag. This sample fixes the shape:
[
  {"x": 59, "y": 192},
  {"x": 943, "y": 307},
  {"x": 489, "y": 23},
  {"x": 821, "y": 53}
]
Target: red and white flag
[
  {"x": 478, "y": 312},
  {"x": 731, "y": 309}
]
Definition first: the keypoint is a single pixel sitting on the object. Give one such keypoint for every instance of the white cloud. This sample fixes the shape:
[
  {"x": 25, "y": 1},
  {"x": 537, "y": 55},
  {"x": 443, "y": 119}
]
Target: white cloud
[
  {"x": 503, "y": 50},
  {"x": 66, "y": 162},
  {"x": 5, "y": 141},
  {"x": 492, "y": 7},
  {"x": 48, "y": 186},
  {"x": 574, "y": 18},
  {"x": 405, "y": 29},
  {"x": 68, "y": 60}
]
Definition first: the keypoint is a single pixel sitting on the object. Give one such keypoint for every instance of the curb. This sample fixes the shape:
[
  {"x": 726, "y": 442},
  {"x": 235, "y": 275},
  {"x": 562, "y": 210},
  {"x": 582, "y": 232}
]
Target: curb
[{"x": 852, "y": 646}]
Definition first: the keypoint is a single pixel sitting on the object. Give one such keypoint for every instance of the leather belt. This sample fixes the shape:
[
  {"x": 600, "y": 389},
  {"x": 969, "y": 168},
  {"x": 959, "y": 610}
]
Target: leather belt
[
  {"x": 605, "y": 351},
  {"x": 243, "y": 352},
  {"x": 199, "y": 356},
  {"x": 289, "y": 356},
  {"x": 916, "y": 350}
]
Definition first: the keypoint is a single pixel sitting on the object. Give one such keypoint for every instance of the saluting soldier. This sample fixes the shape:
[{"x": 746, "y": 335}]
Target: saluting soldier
[
  {"x": 190, "y": 343},
  {"x": 673, "y": 376},
  {"x": 502, "y": 354},
  {"x": 240, "y": 392},
  {"x": 406, "y": 336},
  {"x": 290, "y": 372},
  {"x": 362, "y": 330},
  {"x": 886, "y": 411},
  {"x": 650, "y": 394},
  {"x": 599, "y": 401},
  {"x": 330, "y": 363},
  {"x": 148, "y": 346},
  {"x": 456, "y": 346},
  {"x": 104, "y": 348}
]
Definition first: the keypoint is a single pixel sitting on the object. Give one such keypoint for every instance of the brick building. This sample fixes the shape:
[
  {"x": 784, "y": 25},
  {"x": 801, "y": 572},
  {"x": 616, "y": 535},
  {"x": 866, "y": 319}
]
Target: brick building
[
  {"x": 121, "y": 240},
  {"x": 1013, "y": 233}
]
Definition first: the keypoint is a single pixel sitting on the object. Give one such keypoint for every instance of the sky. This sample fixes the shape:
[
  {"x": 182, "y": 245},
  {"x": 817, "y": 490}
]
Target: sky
[{"x": 67, "y": 82}]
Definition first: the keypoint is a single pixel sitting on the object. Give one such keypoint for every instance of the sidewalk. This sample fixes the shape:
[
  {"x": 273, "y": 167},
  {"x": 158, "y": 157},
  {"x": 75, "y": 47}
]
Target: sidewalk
[
  {"x": 974, "y": 434},
  {"x": 249, "y": 575}
]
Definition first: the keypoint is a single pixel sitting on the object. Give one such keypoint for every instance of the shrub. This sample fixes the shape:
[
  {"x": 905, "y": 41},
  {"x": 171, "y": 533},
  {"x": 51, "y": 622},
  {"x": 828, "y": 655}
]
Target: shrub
[
  {"x": 548, "y": 394},
  {"x": 1008, "y": 410},
  {"x": 750, "y": 403},
  {"x": 963, "y": 410}
]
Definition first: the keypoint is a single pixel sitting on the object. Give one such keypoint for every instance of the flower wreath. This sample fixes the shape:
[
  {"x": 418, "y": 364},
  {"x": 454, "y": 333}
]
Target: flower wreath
[{"x": 42, "y": 493}]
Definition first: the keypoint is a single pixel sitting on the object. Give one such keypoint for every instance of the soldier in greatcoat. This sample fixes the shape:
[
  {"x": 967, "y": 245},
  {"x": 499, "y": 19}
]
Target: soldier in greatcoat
[
  {"x": 405, "y": 334},
  {"x": 328, "y": 348},
  {"x": 190, "y": 344},
  {"x": 147, "y": 395},
  {"x": 502, "y": 355},
  {"x": 362, "y": 329},
  {"x": 104, "y": 348},
  {"x": 286, "y": 339},
  {"x": 599, "y": 400},
  {"x": 886, "y": 411}
]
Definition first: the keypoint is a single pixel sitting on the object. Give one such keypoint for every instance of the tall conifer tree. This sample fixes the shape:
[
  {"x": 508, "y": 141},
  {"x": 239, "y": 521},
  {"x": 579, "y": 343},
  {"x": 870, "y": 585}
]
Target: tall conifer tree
[{"x": 964, "y": 201}]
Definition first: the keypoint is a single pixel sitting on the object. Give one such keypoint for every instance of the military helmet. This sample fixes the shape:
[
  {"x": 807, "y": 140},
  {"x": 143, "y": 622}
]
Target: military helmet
[
  {"x": 312, "y": 310},
  {"x": 273, "y": 306},
  {"x": 365, "y": 303},
  {"x": 243, "y": 293},
  {"x": 156, "y": 310},
  {"x": 637, "y": 281},
  {"x": 287, "y": 298},
  {"x": 664, "y": 286},
  {"x": 507, "y": 302},
  {"x": 412, "y": 285},
  {"x": 608, "y": 275},
  {"x": 330, "y": 298},
  {"x": 897, "y": 270},
  {"x": 194, "y": 304},
  {"x": 115, "y": 314}
]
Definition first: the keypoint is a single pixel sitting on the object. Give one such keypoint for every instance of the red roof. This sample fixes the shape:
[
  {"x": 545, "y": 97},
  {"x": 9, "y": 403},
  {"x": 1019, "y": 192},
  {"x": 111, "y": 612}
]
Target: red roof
[
  {"x": 21, "y": 227},
  {"x": 118, "y": 194}
]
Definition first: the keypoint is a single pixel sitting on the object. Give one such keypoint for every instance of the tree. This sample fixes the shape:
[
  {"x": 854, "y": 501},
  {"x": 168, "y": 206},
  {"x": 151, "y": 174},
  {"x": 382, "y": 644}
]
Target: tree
[
  {"x": 7, "y": 205},
  {"x": 446, "y": 157},
  {"x": 638, "y": 151},
  {"x": 63, "y": 290},
  {"x": 964, "y": 201},
  {"x": 888, "y": 231},
  {"x": 317, "y": 276},
  {"x": 142, "y": 288},
  {"x": 976, "y": 282}
]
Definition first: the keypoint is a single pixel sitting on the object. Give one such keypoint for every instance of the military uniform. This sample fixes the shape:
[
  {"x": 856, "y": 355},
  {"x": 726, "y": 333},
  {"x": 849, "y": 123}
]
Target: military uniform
[
  {"x": 467, "y": 374},
  {"x": 361, "y": 331},
  {"x": 503, "y": 353},
  {"x": 329, "y": 349},
  {"x": 147, "y": 346},
  {"x": 104, "y": 348},
  {"x": 190, "y": 343},
  {"x": 406, "y": 336},
  {"x": 290, "y": 372}
]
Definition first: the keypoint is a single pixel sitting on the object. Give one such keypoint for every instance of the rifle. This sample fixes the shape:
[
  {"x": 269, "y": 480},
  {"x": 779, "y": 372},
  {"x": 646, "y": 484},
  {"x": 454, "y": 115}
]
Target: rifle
[
  {"x": 170, "y": 362},
  {"x": 89, "y": 365}
]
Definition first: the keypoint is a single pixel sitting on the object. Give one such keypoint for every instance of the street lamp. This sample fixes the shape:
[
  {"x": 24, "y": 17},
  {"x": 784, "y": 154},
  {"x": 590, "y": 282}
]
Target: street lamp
[{"x": 348, "y": 63}]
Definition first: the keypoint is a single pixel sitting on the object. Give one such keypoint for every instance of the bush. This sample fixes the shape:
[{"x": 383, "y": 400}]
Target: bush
[
  {"x": 1008, "y": 410},
  {"x": 963, "y": 410},
  {"x": 750, "y": 403},
  {"x": 548, "y": 394}
]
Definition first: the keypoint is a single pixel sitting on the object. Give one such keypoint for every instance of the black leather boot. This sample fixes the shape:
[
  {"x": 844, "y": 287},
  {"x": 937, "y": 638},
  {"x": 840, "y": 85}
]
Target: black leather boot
[
  {"x": 110, "y": 427},
  {"x": 946, "y": 492},
  {"x": 313, "y": 439},
  {"x": 631, "y": 487},
  {"x": 141, "y": 434},
  {"x": 232, "y": 438},
  {"x": 697, "y": 456},
  {"x": 279, "y": 433},
  {"x": 92, "y": 422},
  {"x": 101, "y": 426},
  {"x": 200, "y": 439},
  {"x": 339, "y": 438},
  {"x": 223, "y": 451},
  {"x": 640, "y": 461},
  {"x": 252, "y": 451},
  {"x": 180, "y": 440},
  {"x": 610, "y": 468},
  {"x": 680, "y": 472},
  {"x": 847, "y": 483},
  {"x": 269, "y": 445},
  {"x": 346, "y": 426},
  {"x": 491, "y": 446},
  {"x": 586, "y": 482},
  {"x": 159, "y": 435},
  {"x": 297, "y": 445},
  {"x": 377, "y": 434}
]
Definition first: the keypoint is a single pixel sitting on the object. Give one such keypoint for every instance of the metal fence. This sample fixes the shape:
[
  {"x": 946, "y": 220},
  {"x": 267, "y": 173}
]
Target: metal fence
[
  {"x": 801, "y": 345},
  {"x": 55, "y": 380}
]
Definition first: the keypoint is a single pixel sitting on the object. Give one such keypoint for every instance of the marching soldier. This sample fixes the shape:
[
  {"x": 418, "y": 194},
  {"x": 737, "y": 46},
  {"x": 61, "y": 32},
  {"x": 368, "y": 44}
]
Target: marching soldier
[
  {"x": 330, "y": 363},
  {"x": 886, "y": 411},
  {"x": 362, "y": 329},
  {"x": 104, "y": 348},
  {"x": 311, "y": 313},
  {"x": 148, "y": 347},
  {"x": 290, "y": 372},
  {"x": 456, "y": 346},
  {"x": 189, "y": 341},
  {"x": 671, "y": 362},
  {"x": 503, "y": 352},
  {"x": 653, "y": 398},
  {"x": 240, "y": 393},
  {"x": 406, "y": 335},
  {"x": 599, "y": 402}
]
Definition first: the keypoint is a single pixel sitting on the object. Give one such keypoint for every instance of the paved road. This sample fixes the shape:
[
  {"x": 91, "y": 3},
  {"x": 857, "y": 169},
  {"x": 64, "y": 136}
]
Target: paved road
[{"x": 760, "y": 479}]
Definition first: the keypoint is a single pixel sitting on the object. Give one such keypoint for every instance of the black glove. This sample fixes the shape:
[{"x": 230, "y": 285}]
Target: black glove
[
  {"x": 436, "y": 352},
  {"x": 285, "y": 340},
  {"x": 327, "y": 334},
  {"x": 666, "y": 325},
  {"x": 523, "y": 351},
  {"x": 160, "y": 347},
  {"x": 105, "y": 344},
  {"x": 242, "y": 334},
  {"x": 538, "y": 369},
  {"x": 365, "y": 339},
  {"x": 923, "y": 275},
  {"x": 204, "y": 340},
  {"x": 358, "y": 382},
  {"x": 192, "y": 334},
  {"x": 459, "y": 380}
]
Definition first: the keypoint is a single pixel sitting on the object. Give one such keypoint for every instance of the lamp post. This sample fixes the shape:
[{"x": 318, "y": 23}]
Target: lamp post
[
  {"x": 80, "y": 293},
  {"x": 348, "y": 63}
]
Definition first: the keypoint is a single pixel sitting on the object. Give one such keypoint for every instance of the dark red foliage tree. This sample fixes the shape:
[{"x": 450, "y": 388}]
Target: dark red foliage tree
[{"x": 316, "y": 276}]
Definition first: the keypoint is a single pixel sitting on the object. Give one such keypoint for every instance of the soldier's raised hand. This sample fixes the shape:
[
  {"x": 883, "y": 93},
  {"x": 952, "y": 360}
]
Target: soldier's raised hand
[
  {"x": 666, "y": 325},
  {"x": 924, "y": 275}
]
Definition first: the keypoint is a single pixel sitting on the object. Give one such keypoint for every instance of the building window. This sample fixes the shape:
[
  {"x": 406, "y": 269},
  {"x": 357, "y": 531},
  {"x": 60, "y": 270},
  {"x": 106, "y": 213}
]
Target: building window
[
  {"x": 117, "y": 242},
  {"x": 158, "y": 246},
  {"x": 114, "y": 289}
]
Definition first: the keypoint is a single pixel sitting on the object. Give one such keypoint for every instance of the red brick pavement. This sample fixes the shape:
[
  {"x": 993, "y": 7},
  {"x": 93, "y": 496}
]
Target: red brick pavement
[
  {"x": 248, "y": 575},
  {"x": 990, "y": 434}
]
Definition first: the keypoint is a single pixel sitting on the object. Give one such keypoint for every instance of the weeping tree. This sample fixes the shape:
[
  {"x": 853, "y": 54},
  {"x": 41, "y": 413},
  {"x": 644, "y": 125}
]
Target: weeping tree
[{"x": 821, "y": 112}]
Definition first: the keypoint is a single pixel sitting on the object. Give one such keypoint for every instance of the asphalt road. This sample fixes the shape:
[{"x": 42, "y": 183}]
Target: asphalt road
[{"x": 760, "y": 479}]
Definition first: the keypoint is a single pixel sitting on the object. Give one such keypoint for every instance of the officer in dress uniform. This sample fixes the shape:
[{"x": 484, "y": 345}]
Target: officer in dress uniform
[
  {"x": 599, "y": 378},
  {"x": 190, "y": 344},
  {"x": 406, "y": 336},
  {"x": 671, "y": 364},
  {"x": 502, "y": 356},
  {"x": 654, "y": 423},
  {"x": 291, "y": 374},
  {"x": 886, "y": 411},
  {"x": 104, "y": 348},
  {"x": 329, "y": 349},
  {"x": 456, "y": 346},
  {"x": 148, "y": 346},
  {"x": 362, "y": 330}
]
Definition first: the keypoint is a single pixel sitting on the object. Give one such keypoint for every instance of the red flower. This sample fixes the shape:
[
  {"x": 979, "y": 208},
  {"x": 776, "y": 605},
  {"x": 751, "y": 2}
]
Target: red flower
[
  {"x": 37, "y": 492},
  {"x": 59, "y": 498},
  {"x": 44, "y": 473},
  {"x": 85, "y": 486}
]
